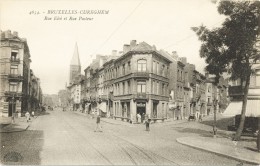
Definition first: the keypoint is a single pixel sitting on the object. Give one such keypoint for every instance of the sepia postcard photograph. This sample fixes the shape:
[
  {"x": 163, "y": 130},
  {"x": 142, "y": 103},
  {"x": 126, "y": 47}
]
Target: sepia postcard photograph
[{"x": 130, "y": 82}]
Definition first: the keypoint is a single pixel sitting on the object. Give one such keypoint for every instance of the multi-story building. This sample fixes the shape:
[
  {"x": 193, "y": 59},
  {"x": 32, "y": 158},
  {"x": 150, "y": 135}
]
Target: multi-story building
[
  {"x": 216, "y": 94},
  {"x": 140, "y": 82},
  {"x": 198, "y": 99},
  {"x": 93, "y": 85},
  {"x": 14, "y": 74},
  {"x": 75, "y": 92},
  {"x": 35, "y": 93}
]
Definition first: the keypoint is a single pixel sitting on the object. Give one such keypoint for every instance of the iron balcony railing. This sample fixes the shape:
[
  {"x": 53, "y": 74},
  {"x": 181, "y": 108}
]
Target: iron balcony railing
[
  {"x": 16, "y": 77},
  {"x": 15, "y": 60}
]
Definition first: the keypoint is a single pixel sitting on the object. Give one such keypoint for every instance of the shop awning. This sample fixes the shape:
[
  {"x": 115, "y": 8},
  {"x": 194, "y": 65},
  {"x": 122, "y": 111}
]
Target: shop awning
[
  {"x": 253, "y": 108},
  {"x": 235, "y": 107},
  {"x": 103, "y": 107}
]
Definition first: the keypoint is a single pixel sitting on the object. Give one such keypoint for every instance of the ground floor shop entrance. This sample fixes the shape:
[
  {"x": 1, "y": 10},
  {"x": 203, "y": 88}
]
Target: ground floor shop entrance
[
  {"x": 11, "y": 108},
  {"x": 141, "y": 108}
]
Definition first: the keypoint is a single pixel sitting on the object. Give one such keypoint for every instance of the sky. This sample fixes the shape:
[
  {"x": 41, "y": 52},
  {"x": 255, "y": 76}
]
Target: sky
[{"x": 163, "y": 23}]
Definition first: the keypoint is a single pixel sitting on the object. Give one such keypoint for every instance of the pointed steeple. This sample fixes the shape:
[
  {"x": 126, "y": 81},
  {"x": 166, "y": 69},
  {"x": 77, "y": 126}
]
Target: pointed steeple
[{"x": 75, "y": 59}]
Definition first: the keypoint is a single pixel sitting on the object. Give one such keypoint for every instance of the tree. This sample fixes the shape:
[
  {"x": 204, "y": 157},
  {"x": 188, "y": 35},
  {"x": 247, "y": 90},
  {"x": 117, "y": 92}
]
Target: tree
[{"x": 231, "y": 47}]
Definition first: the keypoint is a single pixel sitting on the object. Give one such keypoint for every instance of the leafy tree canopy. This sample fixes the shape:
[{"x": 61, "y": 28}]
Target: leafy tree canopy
[{"x": 232, "y": 47}]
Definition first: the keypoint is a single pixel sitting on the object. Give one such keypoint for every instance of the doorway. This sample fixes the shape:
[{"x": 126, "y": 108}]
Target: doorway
[
  {"x": 11, "y": 109},
  {"x": 141, "y": 108}
]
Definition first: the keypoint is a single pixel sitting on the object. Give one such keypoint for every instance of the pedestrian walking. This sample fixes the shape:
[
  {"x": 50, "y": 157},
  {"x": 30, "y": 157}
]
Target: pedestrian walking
[
  {"x": 200, "y": 118},
  {"x": 27, "y": 115},
  {"x": 98, "y": 127},
  {"x": 147, "y": 124},
  {"x": 138, "y": 117},
  {"x": 33, "y": 114}
]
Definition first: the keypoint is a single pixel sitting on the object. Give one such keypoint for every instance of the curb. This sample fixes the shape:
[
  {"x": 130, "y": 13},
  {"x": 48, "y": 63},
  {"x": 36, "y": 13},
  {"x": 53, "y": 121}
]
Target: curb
[
  {"x": 18, "y": 130},
  {"x": 220, "y": 154}
]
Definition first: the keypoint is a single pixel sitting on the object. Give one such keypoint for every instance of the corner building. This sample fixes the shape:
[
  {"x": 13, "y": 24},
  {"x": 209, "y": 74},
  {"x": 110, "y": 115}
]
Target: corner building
[{"x": 140, "y": 83}]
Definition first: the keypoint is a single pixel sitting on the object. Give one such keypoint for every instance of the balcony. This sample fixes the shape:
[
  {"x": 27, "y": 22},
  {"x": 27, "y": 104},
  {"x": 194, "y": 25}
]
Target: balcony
[
  {"x": 15, "y": 60},
  {"x": 142, "y": 96},
  {"x": 15, "y": 77},
  {"x": 141, "y": 74},
  {"x": 13, "y": 94}
]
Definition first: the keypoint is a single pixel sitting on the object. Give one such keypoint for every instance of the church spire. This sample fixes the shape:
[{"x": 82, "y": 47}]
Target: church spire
[{"x": 75, "y": 59}]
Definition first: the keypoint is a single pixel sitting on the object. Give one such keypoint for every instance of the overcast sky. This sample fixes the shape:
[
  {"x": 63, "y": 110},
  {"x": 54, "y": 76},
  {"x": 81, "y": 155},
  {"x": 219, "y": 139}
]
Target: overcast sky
[{"x": 163, "y": 23}]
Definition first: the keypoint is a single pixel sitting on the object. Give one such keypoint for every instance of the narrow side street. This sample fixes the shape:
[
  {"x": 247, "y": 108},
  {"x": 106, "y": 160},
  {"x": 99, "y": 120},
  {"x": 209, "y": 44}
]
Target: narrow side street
[{"x": 58, "y": 138}]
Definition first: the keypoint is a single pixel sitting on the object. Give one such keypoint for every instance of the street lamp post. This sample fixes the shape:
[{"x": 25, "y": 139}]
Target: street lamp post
[
  {"x": 13, "y": 100},
  {"x": 215, "y": 118}
]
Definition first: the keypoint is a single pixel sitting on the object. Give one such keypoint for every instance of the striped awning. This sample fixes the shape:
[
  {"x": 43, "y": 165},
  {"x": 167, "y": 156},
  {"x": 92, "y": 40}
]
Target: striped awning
[{"x": 235, "y": 107}]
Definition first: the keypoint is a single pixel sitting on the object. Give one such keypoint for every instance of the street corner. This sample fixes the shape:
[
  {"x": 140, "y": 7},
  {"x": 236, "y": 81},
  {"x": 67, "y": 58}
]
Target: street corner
[{"x": 223, "y": 147}]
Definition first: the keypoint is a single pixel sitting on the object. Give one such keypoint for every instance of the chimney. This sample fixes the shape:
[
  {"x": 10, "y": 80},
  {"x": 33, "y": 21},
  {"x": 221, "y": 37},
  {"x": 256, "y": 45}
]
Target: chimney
[
  {"x": 15, "y": 33},
  {"x": 132, "y": 43},
  {"x": 126, "y": 48},
  {"x": 7, "y": 34},
  {"x": 174, "y": 55},
  {"x": 183, "y": 60},
  {"x": 2, "y": 34},
  {"x": 114, "y": 53}
]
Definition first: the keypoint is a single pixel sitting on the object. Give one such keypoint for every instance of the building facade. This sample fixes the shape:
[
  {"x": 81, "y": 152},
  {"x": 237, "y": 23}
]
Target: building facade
[
  {"x": 140, "y": 84},
  {"x": 20, "y": 89}
]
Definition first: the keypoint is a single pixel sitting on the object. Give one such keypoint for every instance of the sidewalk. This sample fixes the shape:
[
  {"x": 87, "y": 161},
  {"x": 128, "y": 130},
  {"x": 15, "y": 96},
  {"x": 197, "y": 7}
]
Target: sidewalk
[
  {"x": 19, "y": 125},
  {"x": 244, "y": 151},
  {"x": 118, "y": 121},
  {"x": 106, "y": 120}
]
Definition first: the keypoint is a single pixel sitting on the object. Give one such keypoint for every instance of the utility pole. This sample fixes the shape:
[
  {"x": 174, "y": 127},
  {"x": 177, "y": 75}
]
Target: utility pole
[
  {"x": 215, "y": 102},
  {"x": 13, "y": 101}
]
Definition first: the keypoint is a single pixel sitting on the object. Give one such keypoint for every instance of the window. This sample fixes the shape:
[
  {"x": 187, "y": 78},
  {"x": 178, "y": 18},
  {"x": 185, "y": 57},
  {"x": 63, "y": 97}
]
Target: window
[
  {"x": 129, "y": 87},
  {"x": 14, "y": 69},
  {"x": 154, "y": 67},
  {"x": 141, "y": 86},
  {"x": 158, "y": 68},
  {"x": 123, "y": 88},
  {"x": 158, "y": 88},
  {"x": 129, "y": 66},
  {"x": 163, "y": 110},
  {"x": 123, "y": 69},
  {"x": 151, "y": 87},
  {"x": 13, "y": 87},
  {"x": 163, "y": 72},
  {"x": 14, "y": 55},
  {"x": 141, "y": 65},
  {"x": 154, "y": 87},
  {"x": 163, "y": 89}
]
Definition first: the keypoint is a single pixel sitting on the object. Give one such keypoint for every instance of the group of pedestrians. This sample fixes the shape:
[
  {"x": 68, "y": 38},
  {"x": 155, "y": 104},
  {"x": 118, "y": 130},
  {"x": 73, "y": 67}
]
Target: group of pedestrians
[{"x": 144, "y": 119}]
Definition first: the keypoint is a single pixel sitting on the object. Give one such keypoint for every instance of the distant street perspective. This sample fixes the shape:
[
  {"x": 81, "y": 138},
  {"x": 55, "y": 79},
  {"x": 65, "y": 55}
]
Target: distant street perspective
[{"x": 60, "y": 138}]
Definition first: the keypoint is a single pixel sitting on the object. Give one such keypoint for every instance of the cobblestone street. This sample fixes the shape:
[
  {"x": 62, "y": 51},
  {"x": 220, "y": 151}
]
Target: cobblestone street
[{"x": 58, "y": 138}]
